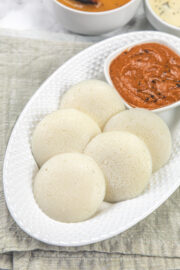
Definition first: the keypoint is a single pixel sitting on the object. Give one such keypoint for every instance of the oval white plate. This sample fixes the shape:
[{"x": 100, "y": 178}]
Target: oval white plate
[{"x": 20, "y": 168}]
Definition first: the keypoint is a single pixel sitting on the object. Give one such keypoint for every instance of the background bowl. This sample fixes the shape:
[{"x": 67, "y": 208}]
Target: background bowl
[
  {"x": 157, "y": 22},
  {"x": 92, "y": 23}
]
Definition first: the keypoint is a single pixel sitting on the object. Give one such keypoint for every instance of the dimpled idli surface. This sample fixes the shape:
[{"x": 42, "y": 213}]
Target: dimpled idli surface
[
  {"x": 150, "y": 128},
  {"x": 69, "y": 187},
  {"x": 125, "y": 162},
  {"x": 94, "y": 97},
  {"x": 62, "y": 131}
]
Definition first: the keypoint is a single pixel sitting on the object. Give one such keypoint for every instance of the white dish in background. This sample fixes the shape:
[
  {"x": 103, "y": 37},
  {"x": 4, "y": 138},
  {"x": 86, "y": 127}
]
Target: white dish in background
[
  {"x": 157, "y": 22},
  {"x": 92, "y": 23},
  {"x": 113, "y": 55},
  {"x": 20, "y": 167}
]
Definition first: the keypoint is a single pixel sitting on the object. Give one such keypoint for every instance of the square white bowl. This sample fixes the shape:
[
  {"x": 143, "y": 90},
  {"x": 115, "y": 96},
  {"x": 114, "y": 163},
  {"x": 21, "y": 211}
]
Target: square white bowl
[{"x": 113, "y": 55}]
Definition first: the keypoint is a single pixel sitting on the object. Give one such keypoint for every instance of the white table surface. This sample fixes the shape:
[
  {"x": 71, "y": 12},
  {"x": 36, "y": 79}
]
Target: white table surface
[{"x": 30, "y": 17}]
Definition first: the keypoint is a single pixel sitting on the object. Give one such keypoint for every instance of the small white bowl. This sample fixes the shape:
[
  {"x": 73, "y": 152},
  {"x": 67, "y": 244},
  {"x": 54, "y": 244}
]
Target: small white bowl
[
  {"x": 157, "y": 22},
  {"x": 112, "y": 56},
  {"x": 92, "y": 23}
]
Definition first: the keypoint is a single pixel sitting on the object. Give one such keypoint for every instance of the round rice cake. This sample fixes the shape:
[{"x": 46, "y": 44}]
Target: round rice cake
[
  {"x": 150, "y": 128},
  {"x": 62, "y": 131},
  {"x": 69, "y": 187},
  {"x": 94, "y": 97},
  {"x": 125, "y": 161}
]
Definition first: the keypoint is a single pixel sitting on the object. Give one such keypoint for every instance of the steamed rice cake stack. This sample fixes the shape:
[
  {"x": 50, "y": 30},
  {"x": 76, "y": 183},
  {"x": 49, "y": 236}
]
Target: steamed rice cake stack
[{"x": 116, "y": 165}]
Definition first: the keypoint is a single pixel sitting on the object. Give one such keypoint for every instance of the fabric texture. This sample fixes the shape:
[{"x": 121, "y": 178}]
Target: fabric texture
[
  {"x": 154, "y": 243},
  {"x": 6, "y": 261}
]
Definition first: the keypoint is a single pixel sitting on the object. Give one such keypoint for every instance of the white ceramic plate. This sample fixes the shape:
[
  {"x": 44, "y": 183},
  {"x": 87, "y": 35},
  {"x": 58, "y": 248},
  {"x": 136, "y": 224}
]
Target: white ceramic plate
[{"x": 20, "y": 168}]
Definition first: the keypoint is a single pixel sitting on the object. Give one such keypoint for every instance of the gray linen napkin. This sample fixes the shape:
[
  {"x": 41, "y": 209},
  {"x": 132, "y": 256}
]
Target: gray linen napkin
[{"x": 154, "y": 243}]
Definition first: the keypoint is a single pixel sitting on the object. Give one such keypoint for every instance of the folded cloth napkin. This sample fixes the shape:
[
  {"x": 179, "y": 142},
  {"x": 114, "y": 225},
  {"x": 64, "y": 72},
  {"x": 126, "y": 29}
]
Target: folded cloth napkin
[{"x": 154, "y": 243}]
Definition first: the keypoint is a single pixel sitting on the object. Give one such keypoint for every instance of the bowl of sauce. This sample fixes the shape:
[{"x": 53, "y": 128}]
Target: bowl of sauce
[
  {"x": 94, "y": 5},
  {"x": 146, "y": 75},
  {"x": 93, "y": 17},
  {"x": 164, "y": 15}
]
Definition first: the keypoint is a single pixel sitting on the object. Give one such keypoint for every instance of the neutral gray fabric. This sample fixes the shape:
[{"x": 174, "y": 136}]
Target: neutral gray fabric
[
  {"x": 90, "y": 261},
  {"x": 154, "y": 242},
  {"x": 6, "y": 261}
]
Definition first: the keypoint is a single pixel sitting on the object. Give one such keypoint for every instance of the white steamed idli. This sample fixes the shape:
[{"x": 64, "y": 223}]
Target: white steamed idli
[
  {"x": 125, "y": 161},
  {"x": 150, "y": 128},
  {"x": 62, "y": 131},
  {"x": 69, "y": 187},
  {"x": 96, "y": 98}
]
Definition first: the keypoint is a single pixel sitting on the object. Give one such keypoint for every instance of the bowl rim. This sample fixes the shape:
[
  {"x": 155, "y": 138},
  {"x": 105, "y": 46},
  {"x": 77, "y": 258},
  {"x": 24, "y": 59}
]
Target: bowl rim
[
  {"x": 159, "y": 18},
  {"x": 90, "y": 13},
  {"x": 114, "y": 54}
]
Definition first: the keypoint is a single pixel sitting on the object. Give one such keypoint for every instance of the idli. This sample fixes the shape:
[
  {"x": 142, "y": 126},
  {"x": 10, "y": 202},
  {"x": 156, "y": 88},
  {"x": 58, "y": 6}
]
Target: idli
[
  {"x": 125, "y": 162},
  {"x": 69, "y": 187},
  {"x": 62, "y": 131},
  {"x": 94, "y": 97},
  {"x": 150, "y": 128}
]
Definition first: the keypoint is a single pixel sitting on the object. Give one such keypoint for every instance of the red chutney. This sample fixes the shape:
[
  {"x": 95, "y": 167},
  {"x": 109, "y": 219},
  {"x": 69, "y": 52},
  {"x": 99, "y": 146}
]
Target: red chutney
[{"x": 147, "y": 76}]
